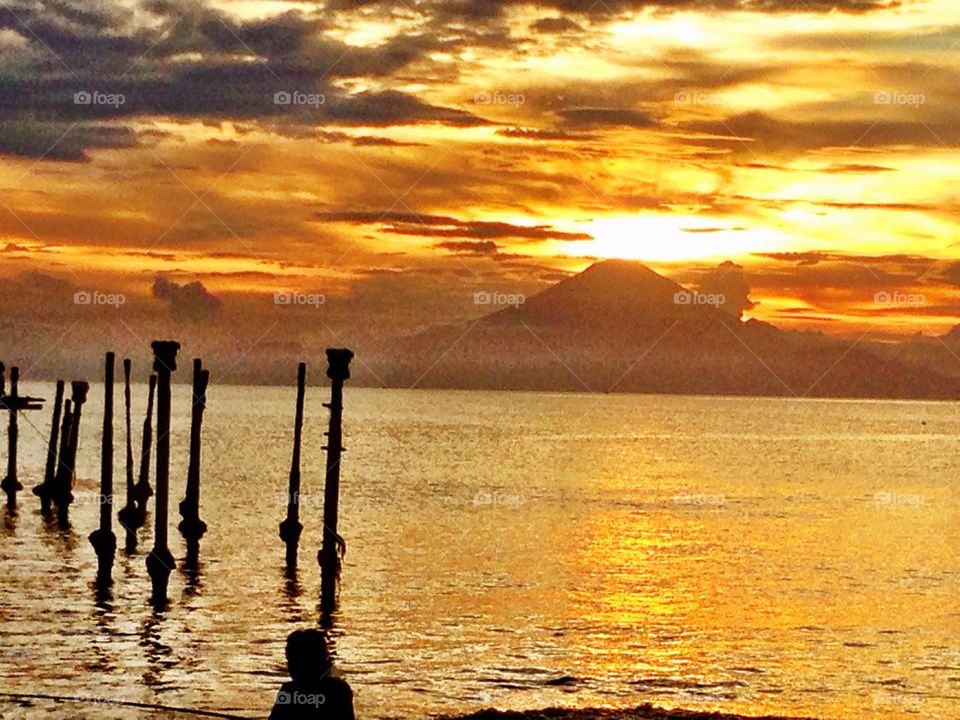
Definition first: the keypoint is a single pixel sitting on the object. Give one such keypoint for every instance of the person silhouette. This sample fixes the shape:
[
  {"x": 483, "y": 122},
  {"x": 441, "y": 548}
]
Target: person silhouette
[{"x": 313, "y": 693}]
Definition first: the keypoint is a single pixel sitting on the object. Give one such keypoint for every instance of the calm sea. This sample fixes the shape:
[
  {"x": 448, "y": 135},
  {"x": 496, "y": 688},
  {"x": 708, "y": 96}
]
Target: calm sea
[{"x": 520, "y": 550}]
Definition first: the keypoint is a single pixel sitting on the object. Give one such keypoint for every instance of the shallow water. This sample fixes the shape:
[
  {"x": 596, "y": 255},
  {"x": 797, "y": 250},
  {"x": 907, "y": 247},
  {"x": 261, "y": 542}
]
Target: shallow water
[{"x": 520, "y": 550}]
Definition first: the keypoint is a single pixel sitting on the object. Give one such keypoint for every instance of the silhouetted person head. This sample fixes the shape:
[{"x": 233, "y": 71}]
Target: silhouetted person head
[
  {"x": 313, "y": 692},
  {"x": 308, "y": 657}
]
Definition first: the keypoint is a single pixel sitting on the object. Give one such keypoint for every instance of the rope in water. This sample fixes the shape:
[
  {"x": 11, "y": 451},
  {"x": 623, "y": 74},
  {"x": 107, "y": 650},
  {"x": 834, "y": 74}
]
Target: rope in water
[{"x": 124, "y": 703}]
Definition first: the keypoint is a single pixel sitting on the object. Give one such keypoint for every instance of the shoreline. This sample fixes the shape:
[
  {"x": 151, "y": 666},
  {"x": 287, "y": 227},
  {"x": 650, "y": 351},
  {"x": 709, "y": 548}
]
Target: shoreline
[{"x": 646, "y": 711}]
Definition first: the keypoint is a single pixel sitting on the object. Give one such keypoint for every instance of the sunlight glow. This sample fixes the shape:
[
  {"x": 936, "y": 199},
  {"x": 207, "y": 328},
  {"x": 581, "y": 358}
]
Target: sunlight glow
[{"x": 670, "y": 238}]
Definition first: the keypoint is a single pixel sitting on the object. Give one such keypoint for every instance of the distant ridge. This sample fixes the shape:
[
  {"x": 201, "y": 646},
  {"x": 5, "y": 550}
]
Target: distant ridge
[{"x": 619, "y": 326}]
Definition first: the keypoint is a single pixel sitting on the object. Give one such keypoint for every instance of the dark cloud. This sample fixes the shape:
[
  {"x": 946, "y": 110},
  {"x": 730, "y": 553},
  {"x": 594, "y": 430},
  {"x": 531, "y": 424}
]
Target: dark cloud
[
  {"x": 909, "y": 39},
  {"x": 470, "y": 247},
  {"x": 375, "y": 141},
  {"x": 849, "y": 284},
  {"x": 555, "y": 25},
  {"x": 872, "y": 272},
  {"x": 491, "y": 10},
  {"x": 729, "y": 281},
  {"x": 196, "y": 63},
  {"x": 217, "y": 91},
  {"x": 545, "y": 135},
  {"x": 59, "y": 140},
  {"x": 757, "y": 132},
  {"x": 605, "y": 116},
  {"x": 800, "y": 258},
  {"x": 855, "y": 168},
  {"x": 443, "y": 226},
  {"x": 188, "y": 301},
  {"x": 949, "y": 272},
  {"x": 902, "y": 207},
  {"x": 808, "y": 258},
  {"x": 707, "y": 230}
]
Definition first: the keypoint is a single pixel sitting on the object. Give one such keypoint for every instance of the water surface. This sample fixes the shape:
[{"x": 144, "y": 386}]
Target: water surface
[{"x": 520, "y": 550}]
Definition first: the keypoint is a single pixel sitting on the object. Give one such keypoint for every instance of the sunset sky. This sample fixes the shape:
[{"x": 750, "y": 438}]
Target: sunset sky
[{"x": 432, "y": 149}]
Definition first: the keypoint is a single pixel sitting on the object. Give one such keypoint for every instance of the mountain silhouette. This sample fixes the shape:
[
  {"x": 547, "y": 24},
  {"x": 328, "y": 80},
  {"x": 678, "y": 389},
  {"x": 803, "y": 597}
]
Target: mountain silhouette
[
  {"x": 621, "y": 327},
  {"x": 617, "y": 289}
]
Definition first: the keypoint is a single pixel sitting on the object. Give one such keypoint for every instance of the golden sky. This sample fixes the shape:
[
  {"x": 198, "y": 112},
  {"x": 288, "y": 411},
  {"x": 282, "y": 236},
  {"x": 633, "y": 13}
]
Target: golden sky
[{"x": 410, "y": 154}]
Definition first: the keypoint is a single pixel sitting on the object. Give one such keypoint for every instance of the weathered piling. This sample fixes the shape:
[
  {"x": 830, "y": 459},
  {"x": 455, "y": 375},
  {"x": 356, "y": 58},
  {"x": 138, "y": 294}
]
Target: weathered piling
[
  {"x": 14, "y": 403},
  {"x": 142, "y": 490},
  {"x": 66, "y": 427},
  {"x": 333, "y": 545},
  {"x": 160, "y": 562},
  {"x": 11, "y": 484},
  {"x": 130, "y": 516},
  {"x": 46, "y": 489},
  {"x": 68, "y": 457},
  {"x": 191, "y": 526},
  {"x": 3, "y": 385},
  {"x": 103, "y": 540},
  {"x": 291, "y": 528}
]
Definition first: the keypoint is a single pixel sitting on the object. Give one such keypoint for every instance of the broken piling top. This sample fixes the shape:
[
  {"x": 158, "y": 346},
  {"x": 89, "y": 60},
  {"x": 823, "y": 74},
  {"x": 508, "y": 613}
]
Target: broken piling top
[
  {"x": 165, "y": 355},
  {"x": 339, "y": 363},
  {"x": 20, "y": 402},
  {"x": 78, "y": 392},
  {"x": 14, "y": 401}
]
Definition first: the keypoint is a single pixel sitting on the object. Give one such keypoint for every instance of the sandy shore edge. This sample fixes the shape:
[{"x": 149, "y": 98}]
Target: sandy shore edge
[{"x": 640, "y": 712}]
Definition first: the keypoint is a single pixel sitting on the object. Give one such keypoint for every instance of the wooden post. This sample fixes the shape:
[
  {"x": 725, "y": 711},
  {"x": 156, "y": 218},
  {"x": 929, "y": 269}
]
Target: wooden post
[
  {"x": 333, "y": 545},
  {"x": 192, "y": 527},
  {"x": 46, "y": 489},
  {"x": 160, "y": 562},
  {"x": 66, "y": 429},
  {"x": 11, "y": 485},
  {"x": 130, "y": 516},
  {"x": 14, "y": 403},
  {"x": 103, "y": 540},
  {"x": 68, "y": 459},
  {"x": 143, "y": 491},
  {"x": 291, "y": 528},
  {"x": 3, "y": 386}
]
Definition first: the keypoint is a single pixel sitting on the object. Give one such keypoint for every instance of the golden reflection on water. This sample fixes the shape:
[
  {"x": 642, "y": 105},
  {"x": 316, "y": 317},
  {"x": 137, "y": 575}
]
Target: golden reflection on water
[{"x": 523, "y": 550}]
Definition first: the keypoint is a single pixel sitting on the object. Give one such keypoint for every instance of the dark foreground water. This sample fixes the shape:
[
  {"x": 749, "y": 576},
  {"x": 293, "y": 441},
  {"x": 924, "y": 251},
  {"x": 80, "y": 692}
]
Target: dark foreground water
[{"x": 523, "y": 550}]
